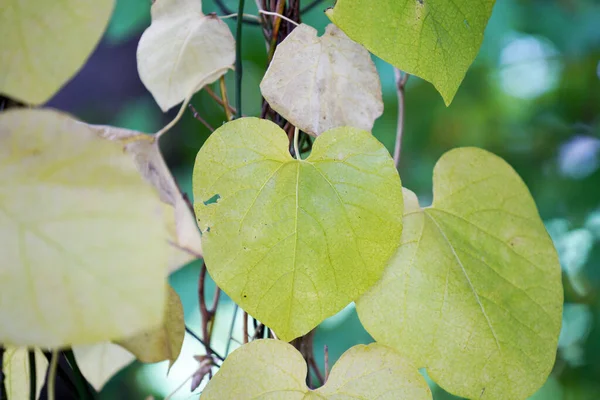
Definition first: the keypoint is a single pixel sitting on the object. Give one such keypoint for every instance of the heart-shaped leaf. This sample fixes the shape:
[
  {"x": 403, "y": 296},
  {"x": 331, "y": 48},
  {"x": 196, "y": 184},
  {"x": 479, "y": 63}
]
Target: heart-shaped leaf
[
  {"x": 474, "y": 292},
  {"x": 82, "y": 235},
  {"x": 335, "y": 82},
  {"x": 44, "y": 43},
  {"x": 15, "y": 367},
  {"x": 164, "y": 342},
  {"x": 294, "y": 241},
  {"x": 182, "y": 51},
  {"x": 436, "y": 40},
  {"x": 274, "y": 369}
]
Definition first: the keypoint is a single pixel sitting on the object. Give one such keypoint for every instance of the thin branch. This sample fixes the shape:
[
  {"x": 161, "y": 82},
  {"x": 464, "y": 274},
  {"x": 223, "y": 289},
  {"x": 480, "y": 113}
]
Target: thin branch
[
  {"x": 278, "y": 15},
  {"x": 296, "y": 148},
  {"x": 238, "y": 60},
  {"x": 218, "y": 99},
  {"x": 316, "y": 370},
  {"x": 185, "y": 249},
  {"x": 195, "y": 336},
  {"x": 32, "y": 375},
  {"x": 207, "y": 315},
  {"x": 326, "y": 362},
  {"x": 245, "y": 328},
  {"x": 197, "y": 116},
  {"x": 276, "y": 26},
  {"x": 248, "y": 19},
  {"x": 401, "y": 79},
  {"x": 224, "y": 96},
  {"x": 84, "y": 389},
  {"x": 235, "y": 311},
  {"x": 310, "y": 6},
  {"x": 52, "y": 375}
]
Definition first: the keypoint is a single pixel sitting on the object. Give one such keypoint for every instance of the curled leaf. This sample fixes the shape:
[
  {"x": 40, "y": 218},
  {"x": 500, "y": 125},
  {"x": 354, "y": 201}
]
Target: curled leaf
[
  {"x": 82, "y": 239},
  {"x": 320, "y": 83},
  {"x": 474, "y": 291},
  {"x": 275, "y": 368},
  {"x": 294, "y": 241},
  {"x": 164, "y": 342},
  {"x": 182, "y": 51},
  {"x": 44, "y": 43}
]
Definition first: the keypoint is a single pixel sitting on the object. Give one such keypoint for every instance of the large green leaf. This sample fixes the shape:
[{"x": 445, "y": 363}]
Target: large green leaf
[
  {"x": 436, "y": 40},
  {"x": 474, "y": 292},
  {"x": 44, "y": 43},
  {"x": 293, "y": 242},
  {"x": 272, "y": 369},
  {"x": 84, "y": 246}
]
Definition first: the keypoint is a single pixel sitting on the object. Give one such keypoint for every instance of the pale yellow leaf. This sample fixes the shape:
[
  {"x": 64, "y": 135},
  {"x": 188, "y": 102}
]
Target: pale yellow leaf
[
  {"x": 100, "y": 362},
  {"x": 163, "y": 343},
  {"x": 182, "y": 51},
  {"x": 84, "y": 256},
  {"x": 44, "y": 43},
  {"x": 273, "y": 369},
  {"x": 15, "y": 366},
  {"x": 181, "y": 222},
  {"x": 320, "y": 83}
]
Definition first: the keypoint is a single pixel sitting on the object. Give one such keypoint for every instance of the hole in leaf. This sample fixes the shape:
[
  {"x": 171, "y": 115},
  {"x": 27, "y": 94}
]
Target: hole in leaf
[{"x": 212, "y": 200}]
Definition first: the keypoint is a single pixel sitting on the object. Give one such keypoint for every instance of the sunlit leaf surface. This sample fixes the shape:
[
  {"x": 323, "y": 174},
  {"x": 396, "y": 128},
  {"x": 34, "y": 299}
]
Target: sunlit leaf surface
[
  {"x": 293, "y": 242},
  {"x": 474, "y": 292}
]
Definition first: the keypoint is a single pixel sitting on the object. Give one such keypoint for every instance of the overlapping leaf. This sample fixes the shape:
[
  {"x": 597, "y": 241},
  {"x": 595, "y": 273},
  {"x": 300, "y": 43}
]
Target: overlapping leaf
[
  {"x": 293, "y": 242},
  {"x": 101, "y": 361},
  {"x": 274, "y": 369},
  {"x": 320, "y": 83},
  {"x": 81, "y": 235},
  {"x": 182, "y": 51},
  {"x": 15, "y": 367},
  {"x": 183, "y": 232},
  {"x": 44, "y": 43},
  {"x": 164, "y": 342},
  {"x": 436, "y": 40},
  {"x": 474, "y": 292}
]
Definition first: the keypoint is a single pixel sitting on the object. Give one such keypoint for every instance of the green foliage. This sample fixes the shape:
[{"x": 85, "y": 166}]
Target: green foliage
[
  {"x": 44, "y": 43},
  {"x": 436, "y": 40},
  {"x": 92, "y": 220},
  {"x": 274, "y": 369},
  {"x": 475, "y": 284},
  {"x": 294, "y": 241}
]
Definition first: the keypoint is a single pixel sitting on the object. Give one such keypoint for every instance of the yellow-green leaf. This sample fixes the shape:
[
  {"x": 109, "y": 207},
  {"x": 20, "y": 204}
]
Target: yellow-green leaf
[
  {"x": 163, "y": 343},
  {"x": 101, "y": 361},
  {"x": 84, "y": 249},
  {"x": 474, "y": 292},
  {"x": 182, "y": 51},
  {"x": 15, "y": 366},
  {"x": 334, "y": 81},
  {"x": 276, "y": 370},
  {"x": 293, "y": 242},
  {"x": 44, "y": 43},
  {"x": 436, "y": 40}
]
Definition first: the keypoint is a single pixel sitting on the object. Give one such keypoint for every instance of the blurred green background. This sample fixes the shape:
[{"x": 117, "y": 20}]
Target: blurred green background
[{"x": 532, "y": 96}]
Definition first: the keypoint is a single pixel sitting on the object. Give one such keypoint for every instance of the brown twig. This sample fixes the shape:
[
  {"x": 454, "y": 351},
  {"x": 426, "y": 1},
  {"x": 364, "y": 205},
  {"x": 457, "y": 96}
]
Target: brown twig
[
  {"x": 197, "y": 116},
  {"x": 207, "y": 314},
  {"x": 224, "y": 97},
  {"x": 401, "y": 79},
  {"x": 219, "y": 100},
  {"x": 326, "y": 362},
  {"x": 245, "y": 328}
]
